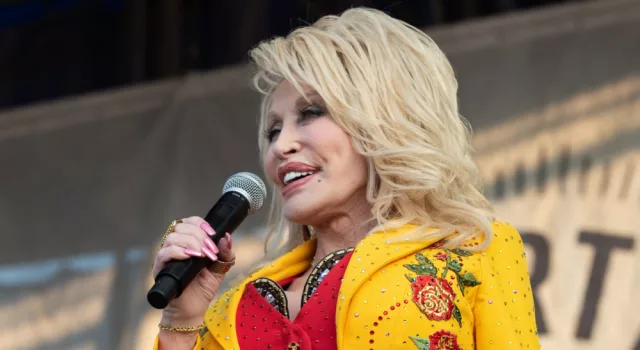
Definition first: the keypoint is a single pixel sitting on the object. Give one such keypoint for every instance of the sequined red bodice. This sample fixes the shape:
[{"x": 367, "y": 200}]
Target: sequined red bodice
[{"x": 261, "y": 324}]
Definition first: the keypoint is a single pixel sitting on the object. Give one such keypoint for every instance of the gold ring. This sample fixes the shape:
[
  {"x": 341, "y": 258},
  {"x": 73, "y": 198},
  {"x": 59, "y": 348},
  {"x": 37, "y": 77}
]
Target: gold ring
[
  {"x": 170, "y": 229},
  {"x": 219, "y": 266}
]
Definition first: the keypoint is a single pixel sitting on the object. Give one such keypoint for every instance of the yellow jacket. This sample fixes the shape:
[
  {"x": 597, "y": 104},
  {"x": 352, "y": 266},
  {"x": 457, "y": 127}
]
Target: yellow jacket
[{"x": 414, "y": 296}]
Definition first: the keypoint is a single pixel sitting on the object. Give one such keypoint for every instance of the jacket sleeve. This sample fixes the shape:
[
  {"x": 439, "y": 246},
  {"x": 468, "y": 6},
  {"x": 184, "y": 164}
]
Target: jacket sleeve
[
  {"x": 204, "y": 342},
  {"x": 504, "y": 311}
]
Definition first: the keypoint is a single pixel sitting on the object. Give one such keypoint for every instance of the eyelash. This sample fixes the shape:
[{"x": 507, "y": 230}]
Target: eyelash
[
  {"x": 311, "y": 111},
  {"x": 269, "y": 134}
]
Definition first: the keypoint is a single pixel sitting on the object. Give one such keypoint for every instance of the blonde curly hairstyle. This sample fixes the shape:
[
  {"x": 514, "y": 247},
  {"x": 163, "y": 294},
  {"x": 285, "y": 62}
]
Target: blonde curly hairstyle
[{"x": 393, "y": 91}]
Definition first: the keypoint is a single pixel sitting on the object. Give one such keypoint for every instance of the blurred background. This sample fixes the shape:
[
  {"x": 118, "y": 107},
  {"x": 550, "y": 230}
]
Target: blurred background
[{"x": 118, "y": 116}]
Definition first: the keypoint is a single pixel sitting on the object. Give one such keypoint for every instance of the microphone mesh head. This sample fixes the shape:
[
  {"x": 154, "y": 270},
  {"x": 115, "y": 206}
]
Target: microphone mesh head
[{"x": 250, "y": 187}]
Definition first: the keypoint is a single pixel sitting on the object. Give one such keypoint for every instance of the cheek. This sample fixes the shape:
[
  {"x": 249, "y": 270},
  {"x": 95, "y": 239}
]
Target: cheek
[
  {"x": 270, "y": 166},
  {"x": 351, "y": 166},
  {"x": 358, "y": 170}
]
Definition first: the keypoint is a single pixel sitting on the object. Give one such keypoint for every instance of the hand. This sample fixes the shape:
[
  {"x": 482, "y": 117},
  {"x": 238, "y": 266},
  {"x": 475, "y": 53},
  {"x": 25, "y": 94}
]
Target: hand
[{"x": 191, "y": 239}]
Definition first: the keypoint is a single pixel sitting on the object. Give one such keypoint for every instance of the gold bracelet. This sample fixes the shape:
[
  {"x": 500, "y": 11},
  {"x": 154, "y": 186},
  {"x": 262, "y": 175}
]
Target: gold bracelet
[
  {"x": 170, "y": 230},
  {"x": 181, "y": 329}
]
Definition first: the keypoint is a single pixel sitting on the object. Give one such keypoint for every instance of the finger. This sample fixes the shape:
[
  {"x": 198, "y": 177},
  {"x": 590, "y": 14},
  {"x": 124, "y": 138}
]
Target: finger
[
  {"x": 166, "y": 254},
  {"x": 193, "y": 253},
  {"x": 225, "y": 245},
  {"x": 193, "y": 221},
  {"x": 192, "y": 240},
  {"x": 183, "y": 240},
  {"x": 210, "y": 254},
  {"x": 202, "y": 232}
]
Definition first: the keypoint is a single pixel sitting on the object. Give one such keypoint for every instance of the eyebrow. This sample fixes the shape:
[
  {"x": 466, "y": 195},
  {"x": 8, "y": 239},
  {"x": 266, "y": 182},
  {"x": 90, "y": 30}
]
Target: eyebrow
[
  {"x": 301, "y": 101},
  {"x": 271, "y": 116}
]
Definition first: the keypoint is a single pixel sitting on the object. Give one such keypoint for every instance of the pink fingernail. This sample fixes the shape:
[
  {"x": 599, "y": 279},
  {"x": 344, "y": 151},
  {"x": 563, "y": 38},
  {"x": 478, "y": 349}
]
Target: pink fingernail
[
  {"x": 209, "y": 254},
  {"x": 209, "y": 243},
  {"x": 207, "y": 228},
  {"x": 192, "y": 252},
  {"x": 229, "y": 240}
]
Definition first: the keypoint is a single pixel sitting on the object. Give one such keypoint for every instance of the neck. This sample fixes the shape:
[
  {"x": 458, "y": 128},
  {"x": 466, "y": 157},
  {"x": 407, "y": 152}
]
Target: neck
[{"x": 342, "y": 232}]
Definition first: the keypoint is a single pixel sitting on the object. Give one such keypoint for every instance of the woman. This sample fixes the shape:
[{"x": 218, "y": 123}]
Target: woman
[{"x": 379, "y": 236}]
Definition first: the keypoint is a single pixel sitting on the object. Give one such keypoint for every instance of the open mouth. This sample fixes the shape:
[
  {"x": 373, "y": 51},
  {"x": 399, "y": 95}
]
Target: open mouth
[{"x": 293, "y": 176}]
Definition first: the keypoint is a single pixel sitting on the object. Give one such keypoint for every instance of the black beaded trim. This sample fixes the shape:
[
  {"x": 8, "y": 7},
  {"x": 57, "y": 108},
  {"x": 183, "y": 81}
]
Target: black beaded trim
[
  {"x": 274, "y": 294},
  {"x": 320, "y": 271}
]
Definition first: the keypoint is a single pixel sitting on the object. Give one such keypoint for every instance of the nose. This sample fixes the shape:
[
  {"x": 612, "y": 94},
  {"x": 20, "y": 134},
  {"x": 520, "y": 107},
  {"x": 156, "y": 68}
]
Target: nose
[{"x": 287, "y": 142}]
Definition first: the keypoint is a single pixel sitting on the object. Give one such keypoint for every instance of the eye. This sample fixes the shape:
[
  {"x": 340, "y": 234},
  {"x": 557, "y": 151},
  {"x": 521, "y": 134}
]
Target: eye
[
  {"x": 311, "y": 111},
  {"x": 271, "y": 134},
  {"x": 272, "y": 131}
]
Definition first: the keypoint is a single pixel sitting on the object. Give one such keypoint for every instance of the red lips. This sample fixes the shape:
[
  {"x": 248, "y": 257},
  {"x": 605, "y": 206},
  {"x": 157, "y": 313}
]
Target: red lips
[{"x": 294, "y": 166}]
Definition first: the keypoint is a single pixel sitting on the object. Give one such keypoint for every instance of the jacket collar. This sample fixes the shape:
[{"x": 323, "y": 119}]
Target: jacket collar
[
  {"x": 221, "y": 316},
  {"x": 372, "y": 254}
]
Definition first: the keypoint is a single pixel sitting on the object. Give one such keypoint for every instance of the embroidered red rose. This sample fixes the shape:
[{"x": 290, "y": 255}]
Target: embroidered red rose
[
  {"x": 434, "y": 296},
  {"x": 443, "y": 340}
]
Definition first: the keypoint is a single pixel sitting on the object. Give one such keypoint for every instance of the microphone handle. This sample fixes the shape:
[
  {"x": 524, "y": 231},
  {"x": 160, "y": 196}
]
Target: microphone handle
[{"x": 225, "y": 216}]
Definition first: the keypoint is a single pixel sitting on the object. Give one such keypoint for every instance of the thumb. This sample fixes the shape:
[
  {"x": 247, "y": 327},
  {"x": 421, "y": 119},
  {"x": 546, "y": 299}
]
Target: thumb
[{"x": 225, "y": 245}]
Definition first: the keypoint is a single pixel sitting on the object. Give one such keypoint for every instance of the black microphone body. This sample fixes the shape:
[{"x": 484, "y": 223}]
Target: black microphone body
[{"x": 225, "y": 216}]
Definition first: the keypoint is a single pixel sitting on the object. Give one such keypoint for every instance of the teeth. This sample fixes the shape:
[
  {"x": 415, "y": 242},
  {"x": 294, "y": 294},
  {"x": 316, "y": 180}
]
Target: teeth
[{"x": 290, "y": 176}]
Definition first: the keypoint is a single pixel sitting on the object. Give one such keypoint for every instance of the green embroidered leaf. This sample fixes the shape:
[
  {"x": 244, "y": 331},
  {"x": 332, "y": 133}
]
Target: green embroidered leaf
[
  {"x": 423, "y": 260},
  {"x": 461, "y": 252},
  {"x": 460, "y": 285},
  {"x": 469, "y": 280},
  {"x": 445, "y": 270},
  {"x": 203, "y": 331},
  {"x": 455, "y": 266},
  {"x": 411, "y": 279},
  {"x": 421, "y": 343},
  {"x": 422, "y": 269},
  {"x": 457, "y": 315}
]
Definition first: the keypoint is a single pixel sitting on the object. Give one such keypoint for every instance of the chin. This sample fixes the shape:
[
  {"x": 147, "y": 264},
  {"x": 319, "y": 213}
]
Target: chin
[{"x": 301, "y": 212}]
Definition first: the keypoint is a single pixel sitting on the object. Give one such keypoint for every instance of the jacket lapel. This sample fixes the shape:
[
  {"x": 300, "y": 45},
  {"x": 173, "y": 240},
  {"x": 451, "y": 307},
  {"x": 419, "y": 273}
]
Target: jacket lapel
[
  {"x": 221, "y": 316},
  {"x": 372, "y": 254}
]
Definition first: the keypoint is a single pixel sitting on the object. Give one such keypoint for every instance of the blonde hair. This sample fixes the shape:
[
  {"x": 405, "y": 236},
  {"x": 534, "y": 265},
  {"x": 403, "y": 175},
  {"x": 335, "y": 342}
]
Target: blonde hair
[{"x": 390, "y": 87}]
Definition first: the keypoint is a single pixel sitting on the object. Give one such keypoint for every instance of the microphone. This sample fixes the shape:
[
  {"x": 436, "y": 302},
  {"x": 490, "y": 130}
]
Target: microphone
[{"x": 243, "y": 194}]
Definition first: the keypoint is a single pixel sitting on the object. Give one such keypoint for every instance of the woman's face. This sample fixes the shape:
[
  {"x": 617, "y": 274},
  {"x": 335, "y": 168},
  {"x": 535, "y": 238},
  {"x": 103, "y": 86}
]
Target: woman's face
[{"x": 311, "y": 159}]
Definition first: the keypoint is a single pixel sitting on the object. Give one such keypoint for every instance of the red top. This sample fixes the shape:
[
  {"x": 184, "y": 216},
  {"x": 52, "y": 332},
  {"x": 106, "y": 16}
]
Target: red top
[{"x": 261, "y": 326}]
